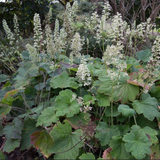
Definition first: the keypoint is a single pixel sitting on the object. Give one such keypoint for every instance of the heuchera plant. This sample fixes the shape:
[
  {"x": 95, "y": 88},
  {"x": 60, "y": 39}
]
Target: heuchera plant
[{"x": 67, "y": 104}]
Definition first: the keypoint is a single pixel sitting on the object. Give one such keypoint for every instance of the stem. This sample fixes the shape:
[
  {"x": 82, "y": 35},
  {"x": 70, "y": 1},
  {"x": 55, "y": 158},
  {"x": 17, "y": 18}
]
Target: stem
[
  {"x": 112, "y": 113},
  {"x": 135, "y": 120}
]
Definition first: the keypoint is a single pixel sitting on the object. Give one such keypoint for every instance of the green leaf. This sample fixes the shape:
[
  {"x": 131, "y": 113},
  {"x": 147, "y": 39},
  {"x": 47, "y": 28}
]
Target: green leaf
[
  {"x": 42, "y": 140},
  {"x": 126, "y": 110},
  {"x": 3, "y": 78},
  {"x": 13, "y": 135},
  {"x": 28, "y": 129},
  {"x": 144, "y": 55},
  {"x": 155, "y": 92},
  {"x": 89, "y": 156},
  {"x": 8, "y": 100},
  {"x": 137, "y": 142},
  {"x": 2, "y": 156},
  {"x": 63, "y": 81},
  {"x": 105, "y": 85},
  {"x": 118, "y": 148},
  {"x": 115, "y": 111},
  {"x": 147, "y": 106},
  {"x": 13, "y": 131},
  {"x": 151, "y": 133},
  {"x": 40, "y": 86},
  {"x": 88, "y": 99},
  {"x": 122, "y": 91},
  {"x": 78, "y": 120},
  {"x": 131, "y": 62},
  {"x": 123, "y": 129},
  {"x": 104, "y": 133},
  {"x": 47, "y": 117},
  {"x": 66, "y": 105},
  {"x": 11, "y": 144},
  {"x": 4, "y": 110},
  {"x": 103, "y": 100},
  {"x": 66, "y": 142},
  {"x": 2, "y": 93}
]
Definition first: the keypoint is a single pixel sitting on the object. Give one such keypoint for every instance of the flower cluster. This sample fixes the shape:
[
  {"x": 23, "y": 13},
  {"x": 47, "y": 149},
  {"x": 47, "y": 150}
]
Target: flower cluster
[
  {"x": 16, "y": 27},
  {"x": 8, "y": 32},
  {"x": 118, "y": 26},
  {"x": 59, "y": 38},
  {"x": 154, "y": 61},
  {"x": 49, "y": 42},
  {"x": 83, "y": 73},
  {"x": 68, "y": 18},
  {"x": 37, "y": 32},
  {"x": 113, "y": 56},
  {"x": 32, "y": 52},
  {"x": 76, "y": 46}
]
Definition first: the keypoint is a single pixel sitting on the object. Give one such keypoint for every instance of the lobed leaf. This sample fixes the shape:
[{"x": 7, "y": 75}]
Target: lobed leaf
[
  {"x": 137, "y": 142},
  {"x": 47, "y": 117},
  {"x": 43, "y": 141},
  {"x": 104, "y": 133},
  {"x": 63, "y": 81},
  {"x": 66, "y": 142},
  {"x": 147, "y": 106}
]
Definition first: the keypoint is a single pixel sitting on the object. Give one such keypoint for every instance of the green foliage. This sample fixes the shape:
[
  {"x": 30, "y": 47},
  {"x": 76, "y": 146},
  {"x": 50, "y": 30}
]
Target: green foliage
[
  {"x": 119, "y": 149},
  {"x": 70, "y": 103},
  {"x": 87, "y": 156},
  {"x": 137, "y": 142},
  {"x": 13, "y": 135},
  {"x": 105, "y": 133},
  {"x": 42, "y": 140},
  {"x": 126, "y": 110},
  {"x": 66, "y": 143},
  {"x": 147, "y": 106},
  {"x": 63, "y": 81}
]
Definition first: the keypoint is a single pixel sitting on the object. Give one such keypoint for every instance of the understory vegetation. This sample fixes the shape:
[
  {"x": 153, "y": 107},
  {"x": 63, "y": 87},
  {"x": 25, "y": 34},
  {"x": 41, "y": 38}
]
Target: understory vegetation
[{"x": 89, "y": 89}]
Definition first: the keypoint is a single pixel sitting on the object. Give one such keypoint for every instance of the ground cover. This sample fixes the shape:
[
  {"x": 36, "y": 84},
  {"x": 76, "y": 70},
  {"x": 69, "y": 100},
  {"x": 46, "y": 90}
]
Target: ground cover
[{"x": 87, "y": 90}]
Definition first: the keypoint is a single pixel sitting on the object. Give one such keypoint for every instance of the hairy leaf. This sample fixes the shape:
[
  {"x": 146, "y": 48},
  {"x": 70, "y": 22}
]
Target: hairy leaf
[
  {"x": 13, "y": 135},
  {"x": 104, "y": 133},
  {"x": 11, "y": 144},
  {"x": 43, "y": 141},
  {"x": 151, "y": 133},
  {"x": 118, "y": 148},
  {"x": 103, "y": 100},
  {"x": 87, "y": 156},
  {"x": 144, "y": 55},
  {"x": 47, "y": 117},
  {"x": 121, "y": 91},
  {"x": 147, "y": 106},
  {"x": 78, "y": 120},
  {"x": 4, "y": 110},
  {"x": 28, "y": 129},
  {"x": 126, "y": 110},
  {"x": 66, "y": 142},
  {"x": 63, "y": 81},
  {"x": 66, "y": 105},
  {"x": 3, "y": 78},
  {"x": 137, "y": 142}
]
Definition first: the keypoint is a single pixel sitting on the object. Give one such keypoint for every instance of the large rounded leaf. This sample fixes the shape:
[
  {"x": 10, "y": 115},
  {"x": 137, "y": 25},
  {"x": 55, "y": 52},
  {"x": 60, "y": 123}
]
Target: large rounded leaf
[
  {"x": 120, "y": 91},
  {"x": 66, "y": 104},
  {"x": 66, "y": 143},
  {"x": 126, "y": 110},
  {"x": 104, "y": 133},
  {"x": 137, "y": 142},
  {"x": 63, "y": 81},
  {"x": 147, "y": 106}
]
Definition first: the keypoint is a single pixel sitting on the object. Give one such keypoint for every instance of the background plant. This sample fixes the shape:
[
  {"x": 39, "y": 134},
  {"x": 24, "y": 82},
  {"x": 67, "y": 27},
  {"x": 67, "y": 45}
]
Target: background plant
[{"x": 66, "y": 102}]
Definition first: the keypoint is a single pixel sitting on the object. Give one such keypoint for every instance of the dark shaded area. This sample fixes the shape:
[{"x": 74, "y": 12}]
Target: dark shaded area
[{"x": 17, "y": 154}]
